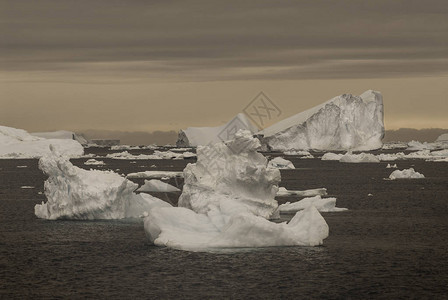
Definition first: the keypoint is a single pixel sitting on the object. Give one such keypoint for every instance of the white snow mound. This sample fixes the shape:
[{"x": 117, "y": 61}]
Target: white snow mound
[
  {"x": 345, "y": 122},
  {"x": 17, "y": 143}
]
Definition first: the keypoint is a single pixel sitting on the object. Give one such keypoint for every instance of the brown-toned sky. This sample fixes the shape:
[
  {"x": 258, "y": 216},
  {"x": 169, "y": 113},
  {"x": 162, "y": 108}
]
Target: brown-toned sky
[{"x": 166, "y": 65}]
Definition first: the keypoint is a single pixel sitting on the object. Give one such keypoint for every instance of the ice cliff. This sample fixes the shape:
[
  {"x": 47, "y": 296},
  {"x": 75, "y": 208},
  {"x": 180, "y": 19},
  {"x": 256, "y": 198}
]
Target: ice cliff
[{"x": 345, "y": 122}]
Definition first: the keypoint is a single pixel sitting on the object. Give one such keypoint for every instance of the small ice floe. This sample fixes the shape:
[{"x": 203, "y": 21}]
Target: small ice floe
[
  {"x": 27, "y": 187},
  {"x": 297, "y": 152},
  {"x": 94, "y": 162},
  {"x": 124, "y": 147},
  {"x": 406, "y": 173},
  {"x": 369, "y": 195},
  {"x": 280, "y": 163},
  {"x": 133, "y": 162},
  {"x": 359, "y": 158},
  {"x": 155, "y": 174},
  {"x": 306, "y": 193},
  {"x": 322, "y": 205},
  {"x": 22, "y": 167},
  {"x": 389, "y": 166},
  {"x": 155, "y": 185},
  {"x": 332, "y": 156},
  {"x": 156, "y": 155}
]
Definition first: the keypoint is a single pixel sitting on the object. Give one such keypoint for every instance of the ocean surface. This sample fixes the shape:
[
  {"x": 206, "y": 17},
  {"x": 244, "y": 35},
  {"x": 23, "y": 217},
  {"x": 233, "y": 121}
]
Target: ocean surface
[{"x": 393, "y": 244}]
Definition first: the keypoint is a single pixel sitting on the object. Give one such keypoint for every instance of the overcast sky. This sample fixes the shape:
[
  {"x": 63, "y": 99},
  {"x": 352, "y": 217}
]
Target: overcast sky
[{"x": 166, "y": 65}]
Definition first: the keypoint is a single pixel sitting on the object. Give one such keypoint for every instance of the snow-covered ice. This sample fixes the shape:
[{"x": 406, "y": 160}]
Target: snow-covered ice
[
  {"x": 389, "y": 166},
  {"x": 227, "y": 201},
  {"x": 62, "y": 134},
  {"x": 155, "y": 185},
  {"x": 359, "y": 158},
  {"x": 200, "y": 136},
  {"x": 280, "y": 163},
  {"x": 75, "y": 193},
  {"x": 125, "y": 155},
  {"x": 282, "y": 192},
  {"x": 155, "y": 174},
  {"x": 345, "y": 122},
  {"x": 322, "y": 205},
  {"x": 442, "y": 138},
  {"x": 94, "y": 162},
  {"x": 406, "y": 173},
  {"x": 17, "y": 143},
  {"x": 331, "y": 156}
]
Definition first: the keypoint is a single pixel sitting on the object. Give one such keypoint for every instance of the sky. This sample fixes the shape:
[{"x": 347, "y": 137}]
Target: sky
[{"x": 167, "y": 65}]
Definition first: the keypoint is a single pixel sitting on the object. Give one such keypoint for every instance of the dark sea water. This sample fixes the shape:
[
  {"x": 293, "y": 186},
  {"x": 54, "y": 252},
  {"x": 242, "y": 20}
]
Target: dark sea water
[{"x": 391, "y": 245}]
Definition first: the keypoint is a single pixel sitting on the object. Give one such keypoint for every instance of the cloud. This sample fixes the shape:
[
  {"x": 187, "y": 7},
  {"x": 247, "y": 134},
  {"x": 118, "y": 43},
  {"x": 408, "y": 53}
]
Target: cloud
[{"x": 224, "y": 40}]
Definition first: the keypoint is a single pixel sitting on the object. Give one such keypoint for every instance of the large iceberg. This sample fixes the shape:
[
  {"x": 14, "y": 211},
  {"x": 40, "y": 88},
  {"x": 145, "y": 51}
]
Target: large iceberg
[
  {"x": 75, "y": 193},
  {"x": 200, "y": 136},
  {"x": 227, "y": 201},
  {"x": 17, "y": 143},
  {"x": 62, "y": 135},
  {"x": 345, "y": 122}
]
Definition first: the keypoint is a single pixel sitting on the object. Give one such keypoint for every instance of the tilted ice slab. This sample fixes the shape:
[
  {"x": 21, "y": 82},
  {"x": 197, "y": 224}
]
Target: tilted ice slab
[
  {"x": 406, "y": 174},
  {"x": 75, "y": 193},
  {"x": 345, "y": 122},
  {"x": 200, "y": 136},
  {"x": 321, "y": 204},
  {"x": 17, "y": 143},
  {"x": 227, "y": 199}
]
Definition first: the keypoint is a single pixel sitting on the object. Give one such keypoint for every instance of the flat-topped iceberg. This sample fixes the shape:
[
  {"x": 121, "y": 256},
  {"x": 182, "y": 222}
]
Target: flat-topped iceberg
[
  {"x": 227, "y": 199},
  {"x": 345, "y": 122},
  {"x": 18, "y": 143},
  {"x": 62, "y": 135},
  {"x": 75, "y": 193},
  {"x": 200, "y": 136}
]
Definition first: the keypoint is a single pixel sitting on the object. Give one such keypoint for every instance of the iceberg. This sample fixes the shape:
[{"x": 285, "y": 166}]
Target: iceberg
[
  {"x": 345, "y": 122},
  {"x": 75, "y": 193},
  {"x": 406, "y": 174},
  {"x": 443, "y": 138},
  {"x": 227, "y": 201},
  {"x": 18, "y": 143},
  {"x": 125, "y": 155},
  {"x": 63, "y": 135},
  {"x": 359, "y": 158},
  {"x": 200, "y": 136}
]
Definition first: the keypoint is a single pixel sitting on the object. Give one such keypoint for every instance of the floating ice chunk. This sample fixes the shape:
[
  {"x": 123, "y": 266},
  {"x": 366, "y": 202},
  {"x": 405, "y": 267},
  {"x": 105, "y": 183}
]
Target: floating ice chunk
[
  {"x": 391, "y": 157},
  {"x": 359, "y": 158},
  {"x": 200, "y": 136},
  {"x": 155, "y": 185},
  {"x": 27, "y": 187},
  {"x": 157, "y": 155},
  {"x": 94, "y": 162},
  {"x": 416, "y": 145},
  {"x": 406, "y": 173},
  {"x": 184, "y": 229},
  {"x": 321, "y": 204},
  {"x": 17, "y": 143},
  {"x": 306, "y": 193},
  {"x": 228, "y": 196},
  {"x": 332, "y": 156},
  {"x": 297, "y": 152},
  {"x": 389, "y": 166},
  {"x": 394, "y": 145},
  {"x": 75, "y": 193},
  {"x": 345, "y": 122},
  {"x": 124, "y": 147},
  {"x": 155, "y": 174},
  {"x": 280, "y": 163},
  {"x": 22, "y": 167}
]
